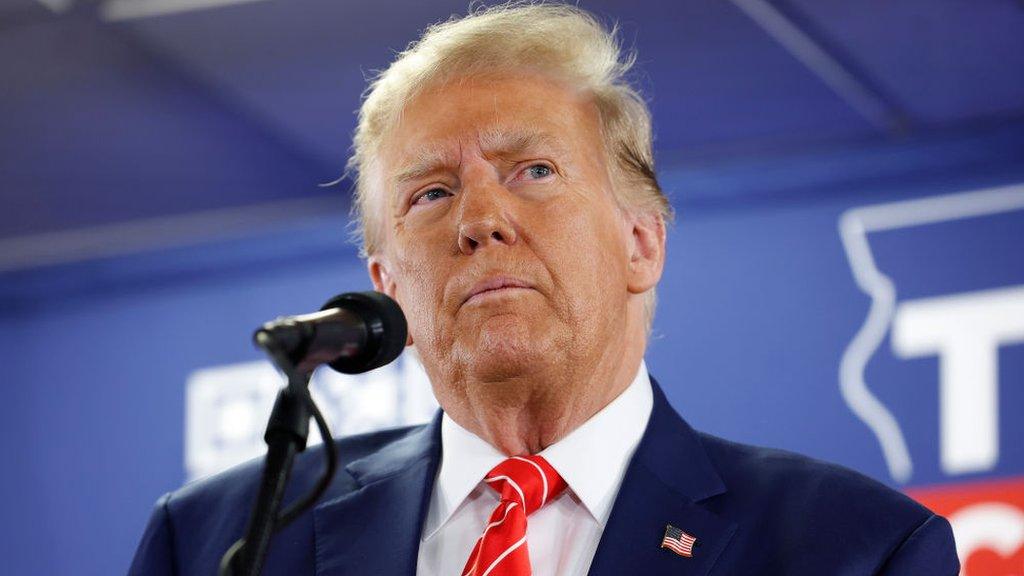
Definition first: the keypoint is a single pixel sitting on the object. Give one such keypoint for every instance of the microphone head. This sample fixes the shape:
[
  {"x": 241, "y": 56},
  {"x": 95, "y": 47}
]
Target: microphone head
[{"x": 386, "y": 330}]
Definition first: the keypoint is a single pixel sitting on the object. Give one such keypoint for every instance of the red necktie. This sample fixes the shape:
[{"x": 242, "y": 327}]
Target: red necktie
[{"x": 525, "y": 483}]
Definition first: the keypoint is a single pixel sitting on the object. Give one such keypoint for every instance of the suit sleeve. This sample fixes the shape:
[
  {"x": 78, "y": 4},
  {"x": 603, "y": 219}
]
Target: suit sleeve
[
  {"x": 155, "y": 554},
  {"x": 929, "y": 549}
]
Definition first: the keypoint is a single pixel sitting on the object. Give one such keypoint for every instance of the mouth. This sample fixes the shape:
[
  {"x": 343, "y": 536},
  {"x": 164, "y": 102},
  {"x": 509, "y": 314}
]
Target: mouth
[{"x": 495, "y": 287}]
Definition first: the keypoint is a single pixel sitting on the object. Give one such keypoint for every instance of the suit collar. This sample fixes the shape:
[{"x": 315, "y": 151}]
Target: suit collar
[
  {"x": 668, "y": 479},
  {"x": 376, "y": 528}
]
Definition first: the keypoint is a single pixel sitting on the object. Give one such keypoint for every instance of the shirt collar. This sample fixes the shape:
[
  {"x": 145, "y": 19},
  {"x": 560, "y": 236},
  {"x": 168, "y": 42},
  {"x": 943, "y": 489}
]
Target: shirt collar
[
  {"x": 465, "y": 460},
  {"x": 614, "y": 432},
  {"x": 616, "y": 429}
]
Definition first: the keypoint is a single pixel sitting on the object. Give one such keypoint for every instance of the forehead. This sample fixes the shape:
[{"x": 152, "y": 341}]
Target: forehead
[
  {"x": 505, "y": 141},
  {"x": 506, "y": 114}
]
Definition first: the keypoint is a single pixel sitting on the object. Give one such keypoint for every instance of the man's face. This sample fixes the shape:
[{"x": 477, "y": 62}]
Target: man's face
[{"x": 502, "y": 240}]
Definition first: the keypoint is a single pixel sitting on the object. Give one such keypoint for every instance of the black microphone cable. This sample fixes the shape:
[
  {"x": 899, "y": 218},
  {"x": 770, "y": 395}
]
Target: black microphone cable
[{"x": 231, "y": 559}]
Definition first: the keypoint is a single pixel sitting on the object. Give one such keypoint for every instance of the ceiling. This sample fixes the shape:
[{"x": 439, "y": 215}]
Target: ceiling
[{"x": 107, "y": 119}]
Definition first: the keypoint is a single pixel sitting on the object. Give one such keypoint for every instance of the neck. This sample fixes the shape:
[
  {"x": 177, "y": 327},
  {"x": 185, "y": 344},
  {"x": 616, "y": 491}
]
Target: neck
[{"x": 523, "y": 414}]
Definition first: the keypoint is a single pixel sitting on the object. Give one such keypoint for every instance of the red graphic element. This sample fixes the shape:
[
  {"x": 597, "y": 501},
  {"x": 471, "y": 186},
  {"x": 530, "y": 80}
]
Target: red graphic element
[
  {"x": 986, "y": 562},
  {"x": 988, "y": 523}
]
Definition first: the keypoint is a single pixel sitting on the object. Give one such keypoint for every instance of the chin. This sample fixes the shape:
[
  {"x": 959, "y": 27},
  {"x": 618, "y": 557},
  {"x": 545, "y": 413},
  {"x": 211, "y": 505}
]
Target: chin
[{"x": 504, "y": 347}]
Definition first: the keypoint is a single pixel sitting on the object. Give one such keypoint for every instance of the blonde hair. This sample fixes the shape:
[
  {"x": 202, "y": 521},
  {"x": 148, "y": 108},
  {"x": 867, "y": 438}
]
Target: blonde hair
[
  {"x": 561, "y": 40},
  {"x": 557, "y": 39}
]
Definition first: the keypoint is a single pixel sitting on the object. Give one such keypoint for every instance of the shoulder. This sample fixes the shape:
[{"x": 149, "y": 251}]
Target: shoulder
[
  {"x": 769, "y": 476},
  {"x": 191, "y": 527},
  {"x": 811, "y": 510},
  {"x": 241, "y": 480}
]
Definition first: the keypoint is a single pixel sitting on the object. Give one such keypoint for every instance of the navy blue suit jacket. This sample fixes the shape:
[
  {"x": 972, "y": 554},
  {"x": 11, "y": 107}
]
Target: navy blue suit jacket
[{"x": 753, "y": 511}]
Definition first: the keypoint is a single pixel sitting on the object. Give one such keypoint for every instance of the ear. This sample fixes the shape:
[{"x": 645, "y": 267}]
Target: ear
[
  {"x": 384, "y": 282},
  {"x": 647, "y": 251}
]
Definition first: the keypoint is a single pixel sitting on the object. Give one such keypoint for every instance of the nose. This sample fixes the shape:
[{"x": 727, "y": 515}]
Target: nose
[{"x": 484, "y": 220}]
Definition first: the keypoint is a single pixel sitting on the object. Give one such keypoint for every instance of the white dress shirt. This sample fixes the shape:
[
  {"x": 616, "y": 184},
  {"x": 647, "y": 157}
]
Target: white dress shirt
[{"x": 563, "y": 535}]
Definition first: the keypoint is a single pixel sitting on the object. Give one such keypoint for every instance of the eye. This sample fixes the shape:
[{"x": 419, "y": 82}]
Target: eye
[
  {"x": 431, "y": 195},
  {"x": 538, "y": 171}
]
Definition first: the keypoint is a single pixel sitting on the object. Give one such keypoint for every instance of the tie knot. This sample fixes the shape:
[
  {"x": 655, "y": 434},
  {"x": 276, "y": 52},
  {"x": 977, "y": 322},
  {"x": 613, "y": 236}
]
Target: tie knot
[{"x": 529, "y": 480}]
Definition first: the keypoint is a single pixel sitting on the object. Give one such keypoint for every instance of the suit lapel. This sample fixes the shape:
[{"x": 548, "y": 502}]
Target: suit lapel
[
  {"x": 666, "y": 481},
  {"x": 376, "y": 528}
]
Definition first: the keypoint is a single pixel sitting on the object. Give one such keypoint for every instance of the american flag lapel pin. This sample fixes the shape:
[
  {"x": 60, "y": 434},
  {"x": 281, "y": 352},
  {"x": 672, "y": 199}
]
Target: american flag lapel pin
[{"x": 678, "y": 541}]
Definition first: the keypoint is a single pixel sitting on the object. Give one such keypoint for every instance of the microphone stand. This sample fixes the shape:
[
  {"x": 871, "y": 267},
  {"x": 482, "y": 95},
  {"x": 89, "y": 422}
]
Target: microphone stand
[{"x": 286, "y": 435}]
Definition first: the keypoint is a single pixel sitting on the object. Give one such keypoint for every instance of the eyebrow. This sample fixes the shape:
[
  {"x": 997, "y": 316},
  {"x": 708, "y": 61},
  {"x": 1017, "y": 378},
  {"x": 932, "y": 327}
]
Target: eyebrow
[
  {"x": 426, "y": 160},
  {"x": 515, "y": 141},
  {"x": 495, "y": 142}
]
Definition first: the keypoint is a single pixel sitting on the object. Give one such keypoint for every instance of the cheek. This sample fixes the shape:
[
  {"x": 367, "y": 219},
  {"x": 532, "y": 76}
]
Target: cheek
[
  {"x": 421, "y": 271},
  {"x": 585, "y": 250},
  {"x": 417, "y": 278},
  {"x": 416, "y": 255}
]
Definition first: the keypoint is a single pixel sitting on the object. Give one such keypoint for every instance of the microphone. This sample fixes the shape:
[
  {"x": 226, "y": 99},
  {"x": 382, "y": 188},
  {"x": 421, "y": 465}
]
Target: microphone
[{"x": 353, "y": 333}]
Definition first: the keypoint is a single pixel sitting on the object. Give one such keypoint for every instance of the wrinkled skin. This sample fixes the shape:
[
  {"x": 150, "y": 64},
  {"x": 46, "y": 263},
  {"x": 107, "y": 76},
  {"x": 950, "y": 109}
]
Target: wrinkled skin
[{"x": 505, "y": 180}]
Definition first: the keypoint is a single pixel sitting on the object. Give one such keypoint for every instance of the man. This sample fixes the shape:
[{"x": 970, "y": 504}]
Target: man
[{"x": 508, "y": 201}]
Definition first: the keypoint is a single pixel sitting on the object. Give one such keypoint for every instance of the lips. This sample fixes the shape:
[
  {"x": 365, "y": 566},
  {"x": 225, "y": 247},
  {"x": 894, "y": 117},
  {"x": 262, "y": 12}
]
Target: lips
[{"x": 495, "y": 285}]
